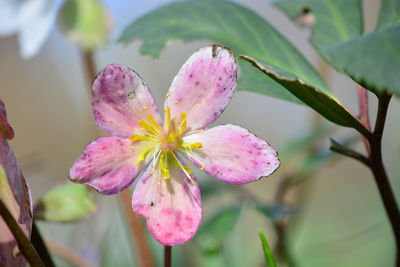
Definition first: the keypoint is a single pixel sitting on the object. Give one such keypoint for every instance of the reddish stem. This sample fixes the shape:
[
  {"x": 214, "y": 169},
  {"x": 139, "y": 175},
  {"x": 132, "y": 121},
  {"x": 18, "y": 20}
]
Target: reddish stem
[
  {"x": 364, "y": 116},
  {"x": 167, "y": 256},
  {"x": 138, "y": 230}
]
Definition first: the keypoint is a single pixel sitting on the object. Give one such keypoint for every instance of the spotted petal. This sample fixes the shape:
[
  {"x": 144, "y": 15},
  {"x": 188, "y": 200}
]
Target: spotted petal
[
  {"x": 233, "y": 154},
  {"x": 203, "y": 86},
  {"x": 171, "y": 207},
  {"x": 107, "y": 164},
  {"x": 6, "y": 130},
  {"x": 15, "y": 194},
  {"x": 120, "y": 100}
]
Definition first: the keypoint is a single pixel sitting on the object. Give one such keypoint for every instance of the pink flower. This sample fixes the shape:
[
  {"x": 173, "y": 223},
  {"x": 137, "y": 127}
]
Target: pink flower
[
  {"x": 15, "y": 194},
  {"x": 167, "y": 194}
]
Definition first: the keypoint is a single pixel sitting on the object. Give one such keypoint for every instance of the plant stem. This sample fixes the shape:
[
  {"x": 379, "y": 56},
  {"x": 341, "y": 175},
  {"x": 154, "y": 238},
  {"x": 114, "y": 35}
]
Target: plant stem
[
  {"x": 167, "y": 256},
  {"x": 136, "y": 227},
  {"x": 40, "y": 246},
  {"x": 375, "y": 163},
  {"x": 67, "y": 254},
  {"x": 351, "y": 154},
  {"x": 24, "y": 244},
  {"x": 364, "y": 115},
  {"x": 380, "y": 175},
  {"x": 89, "y": 66}
]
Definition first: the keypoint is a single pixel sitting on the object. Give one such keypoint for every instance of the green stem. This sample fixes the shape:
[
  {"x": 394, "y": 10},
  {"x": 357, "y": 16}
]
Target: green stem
[
  {"x": 167, "y": 256},
  {"x": 40, "y": 246},
  {"x": 24, "y": 244}
]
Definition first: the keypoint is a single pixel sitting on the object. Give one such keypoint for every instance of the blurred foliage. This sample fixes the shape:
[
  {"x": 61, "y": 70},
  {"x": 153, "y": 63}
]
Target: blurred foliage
[
  {"x": 66, "y": 203},
  {"x": 215, "y": 230},
  {"x": 85, "y": 23}
]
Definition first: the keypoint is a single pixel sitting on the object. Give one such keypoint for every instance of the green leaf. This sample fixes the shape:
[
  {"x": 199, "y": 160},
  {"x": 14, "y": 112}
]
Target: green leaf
[
  {"x": 267, "y": 250},
  {"x": 214, "y": 231},
  {"x": 253, "y": 80},
  {"x": 323, "y": 102},
  {"x": 389, "y": 13},
  {"x": 332, "y": 26},
  {"x": 65, "y": 203},
  {"x": 85, "y": 23},
  {"x": 373, "y": 60},
  {"x": 231, "y": 25}
]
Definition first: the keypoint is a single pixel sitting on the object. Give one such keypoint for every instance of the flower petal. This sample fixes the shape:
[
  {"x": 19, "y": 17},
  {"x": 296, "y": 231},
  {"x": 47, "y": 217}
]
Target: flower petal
[
  {"x": 120, "y": 100},
  {"x": 6, "y": 131},
  {"x": 15, "y": 194},
  {"x": 107, "y": 164},
  {"x": 203, "y": 86},
  {"x": 37, "y": 21},
  {"x": 171, "y": 207},
  {"x": 233, "y": 154}
]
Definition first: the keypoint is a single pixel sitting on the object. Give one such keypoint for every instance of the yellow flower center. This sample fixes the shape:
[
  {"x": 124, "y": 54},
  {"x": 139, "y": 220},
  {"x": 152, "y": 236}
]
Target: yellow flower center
[{"x": 162, "y": 143}]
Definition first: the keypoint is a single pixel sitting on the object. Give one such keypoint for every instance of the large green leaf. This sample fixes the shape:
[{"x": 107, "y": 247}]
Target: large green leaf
[
  {"x": 254, "y": 80},
  {"x": 324, "y": 103},
  {"x": 66, "y": 203},
  {"x": 373, "y": 60},
  {"x": 332, "y": 25},
  {"x": 231, "y": 25},
  {"x": 389, "y": 14}
]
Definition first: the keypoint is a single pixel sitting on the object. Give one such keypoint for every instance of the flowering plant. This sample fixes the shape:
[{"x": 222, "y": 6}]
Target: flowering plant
[
  {"x": 15, "y": 194},
  {"x": 167, "y": 194}
]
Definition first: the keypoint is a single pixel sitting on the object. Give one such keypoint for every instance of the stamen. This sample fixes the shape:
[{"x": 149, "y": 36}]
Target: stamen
[
  {"x": 167, "y": 95},
  {"x": 183, "y": 168},
  {"x": 148, "y": 127},
  {"x": 192, "y": 155},
  {"x": 182, "y": 126},
  {"x": 177, "y": 102},
  {"x": 141, "y": 138},
  {"x": 142, "y": 155},
  {"x": 164, "y": 166},
  {"x": 156, "y": 156},
  {"x": 155, "y": 125},
  {"x": 167, "y": 123},
  {"x": 145, "y": 107},
  {"x": 193, "y": 146},
  {"x": 198, "y": 106}
]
